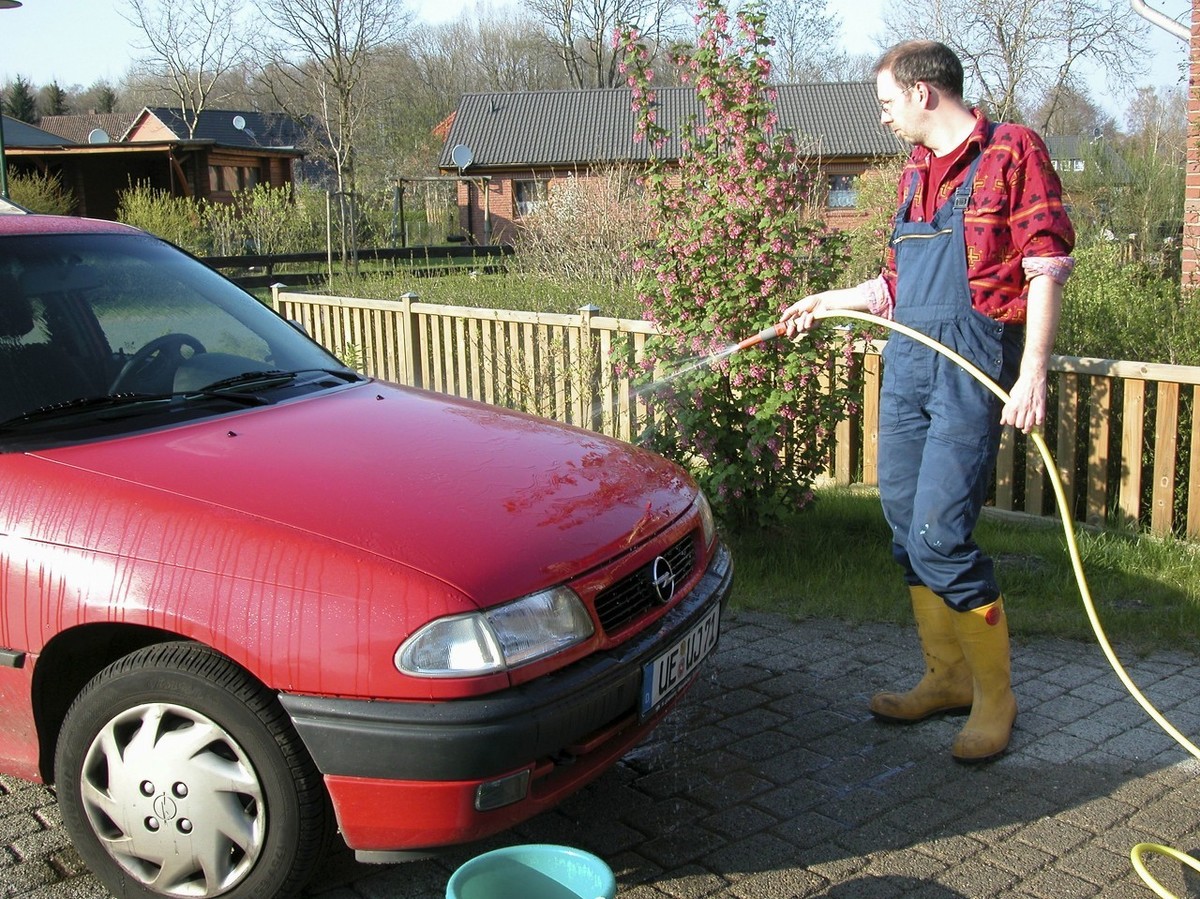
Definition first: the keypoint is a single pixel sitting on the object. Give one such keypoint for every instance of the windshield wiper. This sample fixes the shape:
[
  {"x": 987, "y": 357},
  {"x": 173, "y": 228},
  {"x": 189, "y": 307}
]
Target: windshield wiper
[
  {"x": 256, "y": 380},
  {"x": 247, "y": 380},
  {"x": 124, "y": 404},
  {"x": 84, "y": 404},
  {"x": 239, "y": 389}
]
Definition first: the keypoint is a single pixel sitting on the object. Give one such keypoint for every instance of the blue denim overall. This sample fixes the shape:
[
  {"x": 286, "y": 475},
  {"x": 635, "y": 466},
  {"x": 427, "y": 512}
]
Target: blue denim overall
[{"x": 939, "y": 428}]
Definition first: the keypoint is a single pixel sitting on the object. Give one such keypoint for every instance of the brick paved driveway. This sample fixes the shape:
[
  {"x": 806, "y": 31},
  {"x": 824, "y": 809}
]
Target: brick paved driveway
[{"x": 772, "y": 781}]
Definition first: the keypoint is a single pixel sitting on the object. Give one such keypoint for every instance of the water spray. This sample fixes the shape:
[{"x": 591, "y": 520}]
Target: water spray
[{"x": 1065, "y": 516}]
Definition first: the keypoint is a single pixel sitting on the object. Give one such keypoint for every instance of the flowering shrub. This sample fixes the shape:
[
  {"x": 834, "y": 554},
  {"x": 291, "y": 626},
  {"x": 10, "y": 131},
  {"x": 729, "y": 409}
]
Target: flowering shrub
[{"x": 735, "y": 243}]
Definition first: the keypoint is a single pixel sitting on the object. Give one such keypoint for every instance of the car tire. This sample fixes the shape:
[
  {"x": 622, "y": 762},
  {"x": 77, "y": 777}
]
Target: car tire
[{"x": 178, "y": 774}]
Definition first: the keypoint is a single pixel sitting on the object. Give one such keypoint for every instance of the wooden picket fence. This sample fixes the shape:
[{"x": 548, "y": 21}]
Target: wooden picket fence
[{"x": 1123, "y": 434}]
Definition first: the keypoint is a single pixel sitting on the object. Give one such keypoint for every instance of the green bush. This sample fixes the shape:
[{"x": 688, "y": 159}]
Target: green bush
[
  {"x": 260, "y": 221},
  {"x": 868, "y": 238},
  {"x": 1117, "y": 308},
  {"x": 41, "y": 193},
  {"x": 177, "y": 219}
]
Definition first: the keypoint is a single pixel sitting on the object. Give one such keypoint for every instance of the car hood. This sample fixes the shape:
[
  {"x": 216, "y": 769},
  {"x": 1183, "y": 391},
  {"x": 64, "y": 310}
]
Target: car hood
[{"x": 474, "y": 495}]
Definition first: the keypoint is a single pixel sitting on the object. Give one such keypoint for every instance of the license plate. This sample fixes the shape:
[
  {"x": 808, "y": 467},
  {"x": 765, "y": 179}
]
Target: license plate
[{"x": 673, "y": 668}]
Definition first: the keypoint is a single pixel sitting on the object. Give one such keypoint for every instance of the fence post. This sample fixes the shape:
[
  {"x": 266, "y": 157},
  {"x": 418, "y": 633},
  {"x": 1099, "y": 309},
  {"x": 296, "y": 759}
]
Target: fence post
[
  {"x": 586, "y": 370},
  {"x": 846, "y": 432},
  {"x": 410, "y": 337}
]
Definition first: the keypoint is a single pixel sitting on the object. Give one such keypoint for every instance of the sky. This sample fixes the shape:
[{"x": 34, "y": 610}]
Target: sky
[{"x": 91, "y": 41}]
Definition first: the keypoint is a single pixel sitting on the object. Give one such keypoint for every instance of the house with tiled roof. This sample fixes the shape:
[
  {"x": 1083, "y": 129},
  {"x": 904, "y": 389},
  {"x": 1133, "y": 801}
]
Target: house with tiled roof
[
  {"x": 82, "y": 129},
  {"x": 510, "y": 148},
  {"x": 98, "y": 156}
]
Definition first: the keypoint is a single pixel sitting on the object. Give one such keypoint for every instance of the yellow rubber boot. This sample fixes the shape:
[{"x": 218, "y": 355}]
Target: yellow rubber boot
[
  {"x": 983, "y": 636},
  {"x": 946, "y": 685}
]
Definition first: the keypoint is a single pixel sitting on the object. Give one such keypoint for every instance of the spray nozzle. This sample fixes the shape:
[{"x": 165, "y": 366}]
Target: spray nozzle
[{"x": 770, "y": 333}]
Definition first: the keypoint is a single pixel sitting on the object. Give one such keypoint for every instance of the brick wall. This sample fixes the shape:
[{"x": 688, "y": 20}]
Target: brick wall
[
  {"x": 1191, "y": 204},
  {"x": 504, "y": 218}
]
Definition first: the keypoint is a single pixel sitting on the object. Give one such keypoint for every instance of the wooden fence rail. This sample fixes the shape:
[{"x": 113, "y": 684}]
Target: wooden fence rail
[
  {"x": 1123, "y": 433},
  {"x": 251, "y": 271}
]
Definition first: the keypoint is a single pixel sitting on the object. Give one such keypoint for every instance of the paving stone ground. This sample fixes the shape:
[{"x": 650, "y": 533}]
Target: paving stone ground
[{"x": 771, "y": 781}]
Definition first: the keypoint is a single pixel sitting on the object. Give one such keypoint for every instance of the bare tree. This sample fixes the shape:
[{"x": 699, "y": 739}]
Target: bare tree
[
  {"x": 189, "y": 46},
  {"x": 320, "y": 62},
  {"x": 806, "y": 48},
  {"x": 1068, "y": 111},
  {"x": 417, "y": 83},
  {"x": 488, "y": 50},
  {"x": 1018, "y": 52},
  {"x": 1157, "y": 122},
  {"x": 507, "y": 55},
  {"x": 852, "y": 67},
  {"x": 581, "y": 33}
]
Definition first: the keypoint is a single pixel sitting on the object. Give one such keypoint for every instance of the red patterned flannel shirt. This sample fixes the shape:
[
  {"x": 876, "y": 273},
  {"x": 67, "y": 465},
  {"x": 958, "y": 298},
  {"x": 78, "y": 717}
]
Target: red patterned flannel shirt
[{"x": 1016, "y": 211}]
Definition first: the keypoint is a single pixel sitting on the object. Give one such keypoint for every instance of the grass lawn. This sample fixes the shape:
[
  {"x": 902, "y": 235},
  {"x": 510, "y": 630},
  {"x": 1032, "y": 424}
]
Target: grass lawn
[{"x": 833, "y": 560}]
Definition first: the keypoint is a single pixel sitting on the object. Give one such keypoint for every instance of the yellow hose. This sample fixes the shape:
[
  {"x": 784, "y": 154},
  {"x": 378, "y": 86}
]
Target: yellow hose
[{"x": 1077, "y": 564}]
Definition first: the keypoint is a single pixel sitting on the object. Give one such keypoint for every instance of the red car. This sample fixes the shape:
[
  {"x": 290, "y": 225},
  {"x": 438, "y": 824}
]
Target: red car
[{"x": 250, "y": 595}]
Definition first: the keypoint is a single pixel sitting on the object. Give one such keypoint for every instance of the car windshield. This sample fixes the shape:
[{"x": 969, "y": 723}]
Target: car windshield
[{"x": 111, "y": 332}]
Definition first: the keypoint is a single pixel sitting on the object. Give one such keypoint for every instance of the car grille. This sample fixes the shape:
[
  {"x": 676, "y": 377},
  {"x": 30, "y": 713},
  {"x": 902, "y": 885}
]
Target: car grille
[{"x": 635, "y": 595}]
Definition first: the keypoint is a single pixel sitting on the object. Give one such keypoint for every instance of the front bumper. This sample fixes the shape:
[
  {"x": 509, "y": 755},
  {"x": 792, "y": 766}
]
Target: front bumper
[{"x": 404, "y": 775}]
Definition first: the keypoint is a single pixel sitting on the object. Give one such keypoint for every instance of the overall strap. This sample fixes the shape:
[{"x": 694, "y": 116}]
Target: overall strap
[
  {"x": 962, "y": 194},
  {"x": 902, "y": 212}
]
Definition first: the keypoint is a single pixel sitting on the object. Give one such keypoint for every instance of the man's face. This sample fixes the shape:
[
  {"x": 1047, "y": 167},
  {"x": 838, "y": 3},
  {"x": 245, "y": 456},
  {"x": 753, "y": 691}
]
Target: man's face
[{"x": 898, "y": 108}]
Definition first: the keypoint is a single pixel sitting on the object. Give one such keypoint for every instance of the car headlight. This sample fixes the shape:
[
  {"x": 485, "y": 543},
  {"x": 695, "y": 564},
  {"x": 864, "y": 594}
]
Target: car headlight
[
  {"x": 493, "y": 640},
  {"x": 707, "y": 524}
]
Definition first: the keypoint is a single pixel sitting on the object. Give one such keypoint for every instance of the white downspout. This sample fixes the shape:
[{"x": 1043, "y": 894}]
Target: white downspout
[{"x": 1163, "y": 21}]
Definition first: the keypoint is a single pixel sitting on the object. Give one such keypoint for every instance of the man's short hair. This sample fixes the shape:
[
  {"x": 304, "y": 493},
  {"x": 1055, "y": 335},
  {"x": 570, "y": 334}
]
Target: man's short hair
[{"x": 928, "y": 61}]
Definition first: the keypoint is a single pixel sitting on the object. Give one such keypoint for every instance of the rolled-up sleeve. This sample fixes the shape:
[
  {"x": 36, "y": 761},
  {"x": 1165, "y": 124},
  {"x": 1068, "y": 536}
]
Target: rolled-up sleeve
[{"x": 1058, "y": 268}]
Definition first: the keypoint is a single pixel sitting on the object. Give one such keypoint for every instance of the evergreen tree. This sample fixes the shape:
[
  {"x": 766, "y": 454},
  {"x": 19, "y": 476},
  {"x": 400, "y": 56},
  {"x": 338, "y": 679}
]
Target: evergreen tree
[
  {"x": 53, "y": 100},
  {"x": 19, "y": 102},
  {"x": 106, "y": 98}
]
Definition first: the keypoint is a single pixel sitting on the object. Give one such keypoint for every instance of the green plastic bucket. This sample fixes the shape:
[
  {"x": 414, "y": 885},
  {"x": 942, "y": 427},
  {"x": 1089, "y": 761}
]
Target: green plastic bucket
[{"x": 536, "y": 871}]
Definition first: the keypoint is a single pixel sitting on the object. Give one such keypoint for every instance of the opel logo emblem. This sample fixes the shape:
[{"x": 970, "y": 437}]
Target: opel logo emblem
[
  {"x": 165, "y": 807},
  {"x": 663, "y": 579}
]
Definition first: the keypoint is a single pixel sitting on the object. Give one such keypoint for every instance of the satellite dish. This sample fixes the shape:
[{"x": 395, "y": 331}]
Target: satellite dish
[
  {"x": 98, "y": 136},
  {"x": 462, "y": 156},
  {"x": 239, "y": 122}
]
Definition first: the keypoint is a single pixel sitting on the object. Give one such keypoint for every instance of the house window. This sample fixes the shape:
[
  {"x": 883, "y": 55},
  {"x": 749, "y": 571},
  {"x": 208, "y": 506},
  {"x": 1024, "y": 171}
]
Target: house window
[
  {"x": 231, "y": 178},
  {"x": 529, "y": 195},
  {"x": 843, "y": 192},
  {"x": 1068, "y": 165}
]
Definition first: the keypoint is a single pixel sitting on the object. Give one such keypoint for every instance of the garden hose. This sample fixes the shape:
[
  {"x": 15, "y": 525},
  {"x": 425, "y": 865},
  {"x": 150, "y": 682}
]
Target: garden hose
[{"x": 1072, "y": 545}]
